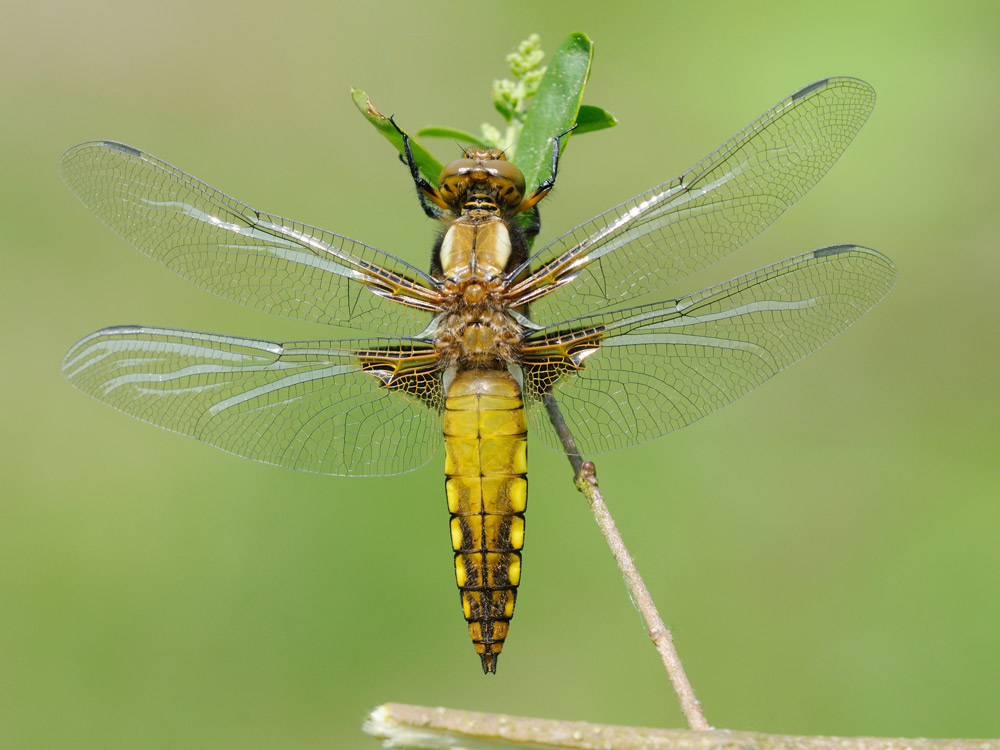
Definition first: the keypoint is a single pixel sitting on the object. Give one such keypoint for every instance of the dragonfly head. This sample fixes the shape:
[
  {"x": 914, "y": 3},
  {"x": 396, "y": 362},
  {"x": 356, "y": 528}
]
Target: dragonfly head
[{"x": 481, "y": 171}]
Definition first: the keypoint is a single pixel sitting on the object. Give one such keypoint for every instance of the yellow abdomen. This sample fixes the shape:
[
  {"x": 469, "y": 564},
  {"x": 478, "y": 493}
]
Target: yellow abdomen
[{"x": 485, "y": 439}]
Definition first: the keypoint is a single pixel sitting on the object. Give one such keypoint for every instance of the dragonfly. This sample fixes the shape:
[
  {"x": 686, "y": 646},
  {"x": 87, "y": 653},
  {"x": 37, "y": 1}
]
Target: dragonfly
[{"x": 478, "y": 348}]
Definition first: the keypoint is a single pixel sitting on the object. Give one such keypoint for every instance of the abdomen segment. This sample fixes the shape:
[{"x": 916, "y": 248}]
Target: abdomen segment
[{"x": 485, "y": 480}]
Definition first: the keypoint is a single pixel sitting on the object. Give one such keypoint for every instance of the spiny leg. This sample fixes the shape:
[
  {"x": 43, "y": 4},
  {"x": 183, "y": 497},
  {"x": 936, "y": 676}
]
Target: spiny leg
[
  {"x": 545, "y": 186},
  {"x": 429, "y": 198}
]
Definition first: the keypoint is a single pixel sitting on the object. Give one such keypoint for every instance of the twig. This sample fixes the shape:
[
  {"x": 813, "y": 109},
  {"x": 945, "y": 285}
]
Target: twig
[
  {"x": 562, "y": 430},
  {"x": 401, "y": 726},
  {"x": 586, "y": 482},
  {"x": 661, "y": 636}
]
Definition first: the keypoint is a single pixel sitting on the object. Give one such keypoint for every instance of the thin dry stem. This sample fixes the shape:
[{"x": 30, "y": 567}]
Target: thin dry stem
[
  {"x": 401, "y": 725},
  {"x": 658, "y": 632},
  {"x": 586, "y": 482}
]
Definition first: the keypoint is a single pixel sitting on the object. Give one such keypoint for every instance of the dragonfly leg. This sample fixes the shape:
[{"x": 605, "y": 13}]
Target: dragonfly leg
[
  {"x": 534, "y": 225},
  {"x": 548, "y": 183},
  {"x": 429, "y": 198}
]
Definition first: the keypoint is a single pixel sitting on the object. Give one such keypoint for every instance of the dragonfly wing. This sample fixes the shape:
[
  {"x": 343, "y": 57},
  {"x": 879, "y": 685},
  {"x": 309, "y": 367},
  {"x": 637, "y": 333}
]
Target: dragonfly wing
[
  {"x": 683, "y": 226},
  {"x": 347, "y": 407},
  {"x": 625, "y": 377},
  {"x": 225, "y": 246}
]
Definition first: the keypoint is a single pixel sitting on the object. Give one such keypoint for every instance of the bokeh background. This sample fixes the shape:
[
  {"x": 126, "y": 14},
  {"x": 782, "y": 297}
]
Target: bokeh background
[{"x": 827, "y": 550}]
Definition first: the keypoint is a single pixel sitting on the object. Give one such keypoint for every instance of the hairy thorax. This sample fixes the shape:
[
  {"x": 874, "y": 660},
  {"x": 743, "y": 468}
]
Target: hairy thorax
[
  {"x": 476, "y": 330},
  {"x": 478, "y": 337}
]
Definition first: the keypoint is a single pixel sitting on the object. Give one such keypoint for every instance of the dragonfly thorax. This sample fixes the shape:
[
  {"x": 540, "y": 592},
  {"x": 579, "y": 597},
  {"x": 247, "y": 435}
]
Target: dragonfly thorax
[
  {"x": 478, "y": 337},
  {"x": 473, "y": 256}
]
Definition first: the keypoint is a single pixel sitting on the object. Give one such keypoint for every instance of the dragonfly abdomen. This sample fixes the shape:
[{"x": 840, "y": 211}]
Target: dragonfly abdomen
[{"x": 485, "y": 479}]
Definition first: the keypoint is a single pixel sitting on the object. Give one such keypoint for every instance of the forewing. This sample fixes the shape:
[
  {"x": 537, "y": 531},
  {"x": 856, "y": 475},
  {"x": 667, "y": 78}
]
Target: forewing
[
  {"x": 225, "y": 246},
  {"x": 649, "y": 370},
  {"x": 342, "y": 407},
  {"x": 685, "y": 225}
]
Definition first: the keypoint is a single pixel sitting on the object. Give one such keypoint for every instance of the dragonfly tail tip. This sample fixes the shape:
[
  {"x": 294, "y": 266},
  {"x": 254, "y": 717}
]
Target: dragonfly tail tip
[{"x": 489, "y": 663}]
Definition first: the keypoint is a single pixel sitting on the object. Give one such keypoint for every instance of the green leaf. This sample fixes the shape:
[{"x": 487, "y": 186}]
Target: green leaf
[
  {"x": 554, "y": 108},
  {"x": 429, "y": 167},
  {"x": 454, "y": 133},
  {"x": 592, "y": 118}
]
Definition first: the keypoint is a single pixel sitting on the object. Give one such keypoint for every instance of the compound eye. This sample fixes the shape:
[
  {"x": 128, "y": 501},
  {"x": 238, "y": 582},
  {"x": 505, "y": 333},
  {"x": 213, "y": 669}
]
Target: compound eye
[
  {"x": 455, "y": 168},
  {"x": 454, "y": 178},
  {"x": 508, "y": 178}
]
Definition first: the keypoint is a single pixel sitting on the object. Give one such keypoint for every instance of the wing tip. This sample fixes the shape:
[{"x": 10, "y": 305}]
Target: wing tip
[
  {"x": 822, "y": 83},
  {"x": 122, "y": 147},
  {"x": 834, "y": 250},
  {"x": 830, "y": 250},
  {"x": 810, "y": 88}
]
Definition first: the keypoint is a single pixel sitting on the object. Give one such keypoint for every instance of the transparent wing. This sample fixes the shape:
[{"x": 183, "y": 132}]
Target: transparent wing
[
  {"x": 685, "y": 225},
  {"x": 626, "y": 377},
  {"x": 225, "y": 246},
  {"x": 344, "y": 407}
]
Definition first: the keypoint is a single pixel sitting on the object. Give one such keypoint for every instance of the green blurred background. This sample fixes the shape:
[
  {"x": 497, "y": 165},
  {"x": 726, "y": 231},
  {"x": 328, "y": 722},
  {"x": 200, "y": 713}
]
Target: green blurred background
[{"x": 827, "y": 550}]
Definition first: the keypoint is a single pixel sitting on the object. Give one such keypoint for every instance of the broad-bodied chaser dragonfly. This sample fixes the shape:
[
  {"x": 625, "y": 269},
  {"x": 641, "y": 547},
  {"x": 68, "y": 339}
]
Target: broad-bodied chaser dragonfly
[{"x": 504, "y": 338}]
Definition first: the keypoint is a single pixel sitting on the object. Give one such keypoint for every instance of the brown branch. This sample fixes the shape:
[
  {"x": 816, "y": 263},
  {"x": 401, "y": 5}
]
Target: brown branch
[
  {"x": 663, "y": 640},
  {"x": 403, "y": 726},
  {"x": 661, "y": 636},
  {"x": 562, "y": 430}
]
